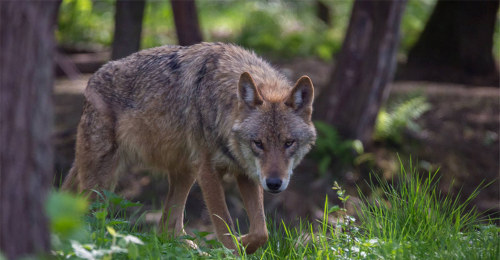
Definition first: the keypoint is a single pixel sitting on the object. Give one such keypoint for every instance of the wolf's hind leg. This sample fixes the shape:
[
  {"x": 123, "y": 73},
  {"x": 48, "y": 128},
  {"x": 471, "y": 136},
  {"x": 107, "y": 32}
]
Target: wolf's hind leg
[
  {"x": 97, "y": 158},
  {"x": 173, "y": 214},
  {"x": 99, "y": 172},
  {"x": 71, "y": 181}
]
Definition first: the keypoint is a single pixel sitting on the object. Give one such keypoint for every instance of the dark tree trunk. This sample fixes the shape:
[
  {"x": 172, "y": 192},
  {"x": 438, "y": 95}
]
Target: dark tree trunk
[
  {"x": 363, "y": 70},
  {"x": 323, "y": 12},
  {"x": 186, "y": 22},
  {"x": 26, "y": 161},
  {"x": 456, "y": 44},
  {"x": 128, "y": 28}
]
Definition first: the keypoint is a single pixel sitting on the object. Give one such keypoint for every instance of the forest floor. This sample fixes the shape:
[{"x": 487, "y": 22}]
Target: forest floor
[{"x": 459, "y": 136}]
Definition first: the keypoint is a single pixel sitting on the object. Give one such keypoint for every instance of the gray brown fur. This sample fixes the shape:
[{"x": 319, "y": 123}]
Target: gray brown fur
[{"x": 194, "y": 114}]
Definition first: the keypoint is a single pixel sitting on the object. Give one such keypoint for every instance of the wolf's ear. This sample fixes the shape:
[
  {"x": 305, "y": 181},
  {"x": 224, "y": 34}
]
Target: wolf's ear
[
  {"x": 247, "y": 91},
  {"x": 301, "y": 97}
]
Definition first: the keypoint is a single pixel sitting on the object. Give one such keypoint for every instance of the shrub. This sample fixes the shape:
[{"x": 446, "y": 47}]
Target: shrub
[
  {"x": 393, "y": 119},
  {"x": 330, "y": 144}
]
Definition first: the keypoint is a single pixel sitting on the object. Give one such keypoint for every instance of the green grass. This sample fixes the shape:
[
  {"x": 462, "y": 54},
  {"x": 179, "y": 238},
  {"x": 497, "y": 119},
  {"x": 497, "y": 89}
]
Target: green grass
[
  {"x": 404, "y": 219},
  {"x": 412, "y": 216}
]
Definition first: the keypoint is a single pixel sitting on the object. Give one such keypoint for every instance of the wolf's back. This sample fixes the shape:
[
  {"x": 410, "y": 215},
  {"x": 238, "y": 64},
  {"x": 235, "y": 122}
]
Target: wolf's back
[
  {"x": 193, "y": 87},
  {"x": 124, "y": 82}
]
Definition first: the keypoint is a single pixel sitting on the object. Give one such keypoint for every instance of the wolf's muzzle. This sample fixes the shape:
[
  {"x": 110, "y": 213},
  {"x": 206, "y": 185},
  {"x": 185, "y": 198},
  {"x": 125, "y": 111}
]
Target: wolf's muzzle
[{"x": 274, "y": 184}]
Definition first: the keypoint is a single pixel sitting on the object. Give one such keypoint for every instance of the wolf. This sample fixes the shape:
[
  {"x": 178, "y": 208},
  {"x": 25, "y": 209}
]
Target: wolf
[{"x": 195, "y": 113}]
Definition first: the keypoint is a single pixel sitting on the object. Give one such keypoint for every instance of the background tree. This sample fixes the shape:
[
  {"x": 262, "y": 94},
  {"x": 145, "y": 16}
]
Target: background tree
[
  {"x": 323, "y": 12},
  {"x": 128, "y": 28},
  {"x": 186, "y": 22},
  {"x": 363, "y": 70},
  {"x": 456, "y": 44},
  {"x": 26, "y": 161}
]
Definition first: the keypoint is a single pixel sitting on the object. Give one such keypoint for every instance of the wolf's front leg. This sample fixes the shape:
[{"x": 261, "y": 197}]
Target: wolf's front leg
[
  {"x": 213, "y": 193},
  {"x": 251, "y": 192}
]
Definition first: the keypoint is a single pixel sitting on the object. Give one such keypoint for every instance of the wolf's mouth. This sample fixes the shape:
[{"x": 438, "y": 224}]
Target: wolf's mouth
[{"x": 274, "y": 192}]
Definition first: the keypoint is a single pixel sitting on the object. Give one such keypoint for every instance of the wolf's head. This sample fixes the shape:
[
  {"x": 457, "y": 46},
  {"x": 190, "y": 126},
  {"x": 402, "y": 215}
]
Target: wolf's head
[{"x": 273, "y": 135}]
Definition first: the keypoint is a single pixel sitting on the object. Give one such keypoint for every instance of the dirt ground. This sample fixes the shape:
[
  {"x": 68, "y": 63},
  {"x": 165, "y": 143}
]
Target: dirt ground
[{"x": 459, "y": 135}]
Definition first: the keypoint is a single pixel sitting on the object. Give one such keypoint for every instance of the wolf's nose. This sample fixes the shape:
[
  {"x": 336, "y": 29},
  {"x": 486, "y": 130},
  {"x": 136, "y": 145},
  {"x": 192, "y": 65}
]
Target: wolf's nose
[{"x": 273, "y": 184}]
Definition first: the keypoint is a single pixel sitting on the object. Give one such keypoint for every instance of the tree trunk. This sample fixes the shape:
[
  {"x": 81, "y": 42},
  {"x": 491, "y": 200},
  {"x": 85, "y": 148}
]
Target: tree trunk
[
  {"x": 456, "y": 44},
  {"x": 128, "y": 28},
  {"x": 323, "y": 12},
  {"x": 363, "y": 70},
  {"x": 186, "y": 22},
  {"x": 26, "y": 161}
]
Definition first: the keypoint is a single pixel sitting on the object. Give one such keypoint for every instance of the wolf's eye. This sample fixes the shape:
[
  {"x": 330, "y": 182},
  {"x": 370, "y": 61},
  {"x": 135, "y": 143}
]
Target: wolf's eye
[
  {"x": 258, "y": 144},
  {"x": 289, "y": 143}
]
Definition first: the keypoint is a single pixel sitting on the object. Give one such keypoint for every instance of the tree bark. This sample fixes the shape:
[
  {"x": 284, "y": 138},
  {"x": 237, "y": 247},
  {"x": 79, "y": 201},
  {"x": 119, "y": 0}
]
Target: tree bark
[
  {"x": 128, "y": 28},
  {"x": 363, "y": 70},
  {"x": 456, "y": 44},
  {"x": 186, "y": 22},
  {"x": 26, "y": 161},
  {"x": 323, "y": 12}
]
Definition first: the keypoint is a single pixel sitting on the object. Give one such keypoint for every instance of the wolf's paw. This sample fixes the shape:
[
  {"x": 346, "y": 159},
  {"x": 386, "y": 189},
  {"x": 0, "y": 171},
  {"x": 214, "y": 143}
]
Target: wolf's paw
[{"x": 253, "y": 241}]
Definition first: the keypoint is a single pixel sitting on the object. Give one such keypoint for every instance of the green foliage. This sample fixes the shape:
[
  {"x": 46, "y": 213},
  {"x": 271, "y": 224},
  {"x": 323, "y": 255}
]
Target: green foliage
[
  {"x": 413, "y": 208},
  {"x": 86, "y": 22},
  {"x": 281, "y": 29},
  {"x": 409, "y": 220},
  {"x": 108, "y": 232},
  {"x": 290, "y": 29},
  {"x": 393, "y": 120},
  {"x": 329, "y": 144},
  {"x": 120, "y": 244},
  {"x": 158, "y": 25},
  {"x": 416, "y": 14},
  {"x": 345, "y": 223},
  {"x": 65, "y": 212}
]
